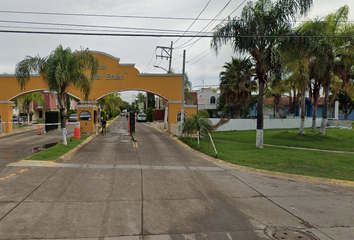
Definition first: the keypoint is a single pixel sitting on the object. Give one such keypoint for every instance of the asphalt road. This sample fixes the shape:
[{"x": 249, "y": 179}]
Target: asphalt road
[
  {"x": 21, "y": 145},
  {"x": 115, "y": 188}
]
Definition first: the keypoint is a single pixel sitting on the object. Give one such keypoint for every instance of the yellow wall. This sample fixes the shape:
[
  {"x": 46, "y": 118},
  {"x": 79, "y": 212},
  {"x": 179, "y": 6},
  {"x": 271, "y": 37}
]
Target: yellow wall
[{"x": 6, "y": 115}]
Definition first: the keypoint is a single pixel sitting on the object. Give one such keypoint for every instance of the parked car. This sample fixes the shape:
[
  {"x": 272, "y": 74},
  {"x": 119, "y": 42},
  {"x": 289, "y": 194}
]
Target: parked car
[
  {"x": 73, "y": 117},
  {"x": 141, "y": 117},
  {"x": 16, "y": 119},
  {"x": 122, "y": 113}
]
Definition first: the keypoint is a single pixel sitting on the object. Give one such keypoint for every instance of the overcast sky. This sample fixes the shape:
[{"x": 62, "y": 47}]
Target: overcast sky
[{"x": 203, "y": 65}]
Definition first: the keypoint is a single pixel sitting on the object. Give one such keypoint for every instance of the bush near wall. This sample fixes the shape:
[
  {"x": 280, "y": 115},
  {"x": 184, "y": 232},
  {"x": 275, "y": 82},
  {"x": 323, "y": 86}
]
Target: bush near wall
[{"x": 150, "y": 114}]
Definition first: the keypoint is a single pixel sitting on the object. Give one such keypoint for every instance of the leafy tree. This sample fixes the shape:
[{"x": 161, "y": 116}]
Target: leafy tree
[
  {"x": 256, "y": 34},
  {"x": 203, "y": 113},
  {"x": 150, "y": 114},
  {"x": 61, "y": 69},
  {"x": 27, "y": 99},
  {"x": 150, "y": 100},
  {"x": 110, "y": 103}
]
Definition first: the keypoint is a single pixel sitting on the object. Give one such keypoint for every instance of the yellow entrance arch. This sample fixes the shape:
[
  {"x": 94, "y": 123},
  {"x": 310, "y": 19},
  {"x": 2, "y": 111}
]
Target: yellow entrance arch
[{"x": 112, "y": 76}]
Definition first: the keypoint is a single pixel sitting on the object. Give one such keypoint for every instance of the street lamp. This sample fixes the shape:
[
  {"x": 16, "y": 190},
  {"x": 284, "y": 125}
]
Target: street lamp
[{"x": 161, "y": 68}]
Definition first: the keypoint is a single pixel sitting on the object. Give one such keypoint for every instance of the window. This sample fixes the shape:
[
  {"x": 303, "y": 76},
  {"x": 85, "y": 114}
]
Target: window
[
  {"x": 212, "y": 100},
  {"x": 85, "y": 116},
  {"x": 179, "y": 116}
]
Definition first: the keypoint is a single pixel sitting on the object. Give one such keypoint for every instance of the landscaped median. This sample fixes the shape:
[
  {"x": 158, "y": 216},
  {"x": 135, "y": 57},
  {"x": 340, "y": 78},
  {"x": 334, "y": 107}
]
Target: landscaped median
[
  {"x": 238, "y": 147},
  {"x": 59, "y": 150}
]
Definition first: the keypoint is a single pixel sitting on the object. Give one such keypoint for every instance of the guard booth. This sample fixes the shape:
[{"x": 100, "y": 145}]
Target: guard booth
[{"x": 87, "y": 116}]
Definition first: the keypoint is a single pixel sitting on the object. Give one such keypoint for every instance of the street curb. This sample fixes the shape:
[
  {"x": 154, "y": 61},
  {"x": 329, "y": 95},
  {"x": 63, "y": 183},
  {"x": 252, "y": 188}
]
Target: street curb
[
  {"x": 66, "y": 157},
  {"x": 231, "y": 166}
]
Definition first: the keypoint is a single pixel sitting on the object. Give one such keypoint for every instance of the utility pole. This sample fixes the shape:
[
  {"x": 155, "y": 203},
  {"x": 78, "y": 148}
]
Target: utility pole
[
  {"x": 184, "y": 75},
  {"x": 166, "y": 52}
]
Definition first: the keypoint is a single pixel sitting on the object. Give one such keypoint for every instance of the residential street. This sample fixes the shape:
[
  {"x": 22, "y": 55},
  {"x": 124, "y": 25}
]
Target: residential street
[{"x": 157, "y": 189}]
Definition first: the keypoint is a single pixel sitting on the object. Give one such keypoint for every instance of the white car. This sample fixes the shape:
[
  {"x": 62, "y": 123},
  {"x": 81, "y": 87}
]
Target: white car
[{"x": 141, "y": 117}]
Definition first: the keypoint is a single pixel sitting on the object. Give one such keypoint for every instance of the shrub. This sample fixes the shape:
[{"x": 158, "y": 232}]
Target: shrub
[
  {"x": 150, "y": 114},
  {"x": 203, "y": 113}
]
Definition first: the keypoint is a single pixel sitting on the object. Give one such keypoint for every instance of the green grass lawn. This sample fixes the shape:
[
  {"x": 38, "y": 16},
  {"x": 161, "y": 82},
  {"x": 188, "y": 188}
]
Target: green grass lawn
[
  {"x": 243, "y": 152},
  {"x": 58, "y": 150},
  {"x": 334, "y": 139}
]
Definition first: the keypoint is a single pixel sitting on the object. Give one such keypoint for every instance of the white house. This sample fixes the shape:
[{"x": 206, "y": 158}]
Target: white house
[{"x": 207, "y": 99}]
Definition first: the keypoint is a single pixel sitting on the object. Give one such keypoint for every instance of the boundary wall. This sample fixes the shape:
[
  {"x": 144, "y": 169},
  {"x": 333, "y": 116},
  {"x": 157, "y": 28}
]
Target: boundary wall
[{"x": 251, "y": 124}]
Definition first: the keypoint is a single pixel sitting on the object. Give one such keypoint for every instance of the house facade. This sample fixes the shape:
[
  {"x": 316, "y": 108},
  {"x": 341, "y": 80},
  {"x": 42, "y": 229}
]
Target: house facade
[{"x": 207, "y": 99}]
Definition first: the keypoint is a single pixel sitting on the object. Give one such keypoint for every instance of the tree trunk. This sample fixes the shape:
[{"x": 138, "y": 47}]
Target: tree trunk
[
  {"x": 302, "y": 119},
  {"x": 63, "y": 125},
  {"x": 314, "y": 116},
  {"x": 346, "y": 115},
  {"x": 325, "y": 107},
  {"x": 238, "y": 112},
  {"x": 315, "y": 100},
  {"x": 259, "y": 140}
]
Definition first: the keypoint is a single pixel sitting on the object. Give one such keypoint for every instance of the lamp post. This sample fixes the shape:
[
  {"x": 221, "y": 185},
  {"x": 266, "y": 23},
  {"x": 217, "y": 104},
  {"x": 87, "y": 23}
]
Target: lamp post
[{"x": 161, "y": 68}]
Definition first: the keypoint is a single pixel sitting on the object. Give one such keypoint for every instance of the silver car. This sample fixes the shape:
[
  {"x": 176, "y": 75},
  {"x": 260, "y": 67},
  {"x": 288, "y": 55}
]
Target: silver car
[{"x": 141, "y": 117}]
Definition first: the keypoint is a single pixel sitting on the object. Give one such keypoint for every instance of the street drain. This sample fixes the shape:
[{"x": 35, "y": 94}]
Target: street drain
[{"x": 293, "y": 234}]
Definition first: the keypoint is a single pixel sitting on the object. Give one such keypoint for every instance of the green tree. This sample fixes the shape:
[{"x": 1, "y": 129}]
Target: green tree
[
  {"x": 61, "y": 69},
  {"x": 150, "y": 114},
  {"x": 27, "y": 99},
  {"x": 203, "y": 113},
  {"x": 256, "y": 34},
  {"x": 236, "y": 83},
  {"x": 141, "y": 98},
  {"x": 196, "y": 123},
  {"x": 327, "y": 30},
  {"x": 110, "y": 103}
]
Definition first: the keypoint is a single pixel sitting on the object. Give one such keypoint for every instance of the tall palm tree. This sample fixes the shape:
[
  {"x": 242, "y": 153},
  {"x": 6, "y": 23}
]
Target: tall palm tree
[
  {"x": 61, "y": 69},
  {"x": 141, "y": 97},
  {"x": 257, "y": 34},
  {"x": 236, "y": 82},
  {"x": 27, "y": 99},
  {"x": 327, "y": 30}
]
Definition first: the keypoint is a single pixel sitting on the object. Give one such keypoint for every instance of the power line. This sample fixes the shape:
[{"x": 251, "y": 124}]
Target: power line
[
  {"x": 191, "y": 44},
  {"x": 167, "y": 35},
  {"x": 93, "y": 26},
  {"x": 150, "y": 59},
  {"x": 195, "y": 20},
  {"x": 106, "y": 15},
  {"x": 217, "y": 15}
]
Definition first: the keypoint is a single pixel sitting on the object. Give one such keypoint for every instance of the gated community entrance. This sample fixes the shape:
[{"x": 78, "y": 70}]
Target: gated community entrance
[{"x": 112, "y": 76}]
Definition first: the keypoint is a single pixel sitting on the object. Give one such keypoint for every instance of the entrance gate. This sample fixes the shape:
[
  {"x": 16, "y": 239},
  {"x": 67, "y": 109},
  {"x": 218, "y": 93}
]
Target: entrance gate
[{"x": 112, "y": 76}]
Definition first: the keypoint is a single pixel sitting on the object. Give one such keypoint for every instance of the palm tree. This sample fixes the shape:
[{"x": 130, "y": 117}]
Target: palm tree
[
  {"x": 111, "y": 102},
  {"x": 27, "y": 99},
  {"x": 237, "y": 84},
  {"x": 61, "y": 69},
  {"x": 141, "y": 98},
  {"x": 196, "y": 123},
  {"x": 257, "y": 34},
  {"x": 327, "y": 30}
]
